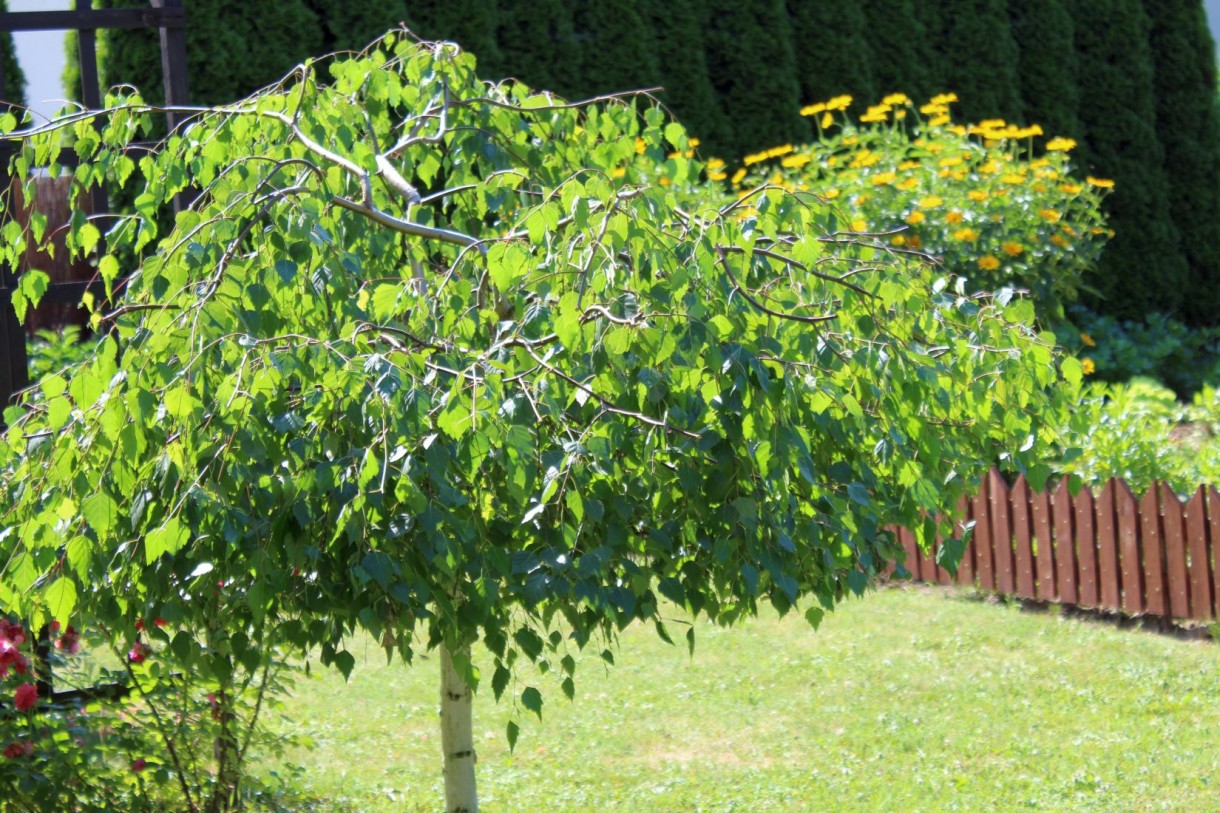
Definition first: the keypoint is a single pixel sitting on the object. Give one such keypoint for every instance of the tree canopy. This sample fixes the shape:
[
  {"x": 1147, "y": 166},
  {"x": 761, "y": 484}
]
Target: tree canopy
[{"x": 426, "y": 353}]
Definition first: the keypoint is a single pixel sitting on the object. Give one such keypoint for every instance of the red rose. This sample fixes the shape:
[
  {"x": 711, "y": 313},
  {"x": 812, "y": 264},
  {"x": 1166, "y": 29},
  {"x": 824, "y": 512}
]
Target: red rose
[
  {"x": 138, "y": 653},
  {"x": 16, "y": 749},
  {"x": 139, "y": 765},
  {"x": 25, "y": 697}
]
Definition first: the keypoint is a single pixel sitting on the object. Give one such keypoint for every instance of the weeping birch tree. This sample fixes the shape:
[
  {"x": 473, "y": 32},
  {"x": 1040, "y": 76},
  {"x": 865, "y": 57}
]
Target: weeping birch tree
[{"x": 474, "y": 370}]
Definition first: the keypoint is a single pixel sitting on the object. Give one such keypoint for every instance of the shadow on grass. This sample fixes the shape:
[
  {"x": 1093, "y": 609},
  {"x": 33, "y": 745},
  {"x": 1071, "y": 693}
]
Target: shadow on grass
[{"x": 1171, "y": 628}]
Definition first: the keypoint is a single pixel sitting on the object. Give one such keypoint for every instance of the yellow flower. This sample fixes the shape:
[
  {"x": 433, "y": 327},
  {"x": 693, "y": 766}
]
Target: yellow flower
[
  {"x": 717, "y": 176},
  {"x": 794, "y": 161},
  {"x": 896, "y": 98},
  {"x": 618, "y": 172},
  {"x": 640, "y": 146},
  {"x": 898, "y": 240},
  {"x": 905, "y": 165},
  {"x": 908, "y": 184},
  {"x": 839, "y": 103},
  {"x": 931, "y": 202},
  {"x": 951, "y": 161},
  {"x": 1013, "y": 178},
  {"x": 1087, "y": 366},
  {"x": 991, "y": 167},
  {"x": 715, "y": 163},
  {"x": 953, "y": 217},
  {"x": 944, "y": 98},
  {"x": 1100, "y": 183},
  {"x": 884, "y": 178},
  {"x": 830, "y": 194},
  {"x": 988, "y": 263},
  {"x": 813, "y": 109},
  {"x": 977, "y": 194},
  {"x": 875, "y": 115},
  {"x": 1071, "y": 188},
  {"x": 933, "y": 109},
  {"x": 1087, "y": 340},
  {"x": 776, "y": 152},
  {"x": 864, "y": 158},
  {"x": 1058, "y": 144},
  {"x": 966, "y": 235},
  {"x": 754, "y": 158},
  {"x": 827, "y": 120},
  {"x": 915, "y": 218},
  {"x": 1060, "y": 240},
  {"x": 859, "y": 225},
  {"x": 692, "y": 142},
  {"x": 665, "y": 181},
  {"x": 738, "y": 176},
  {"x": 1049, "y": 215},
  {"x": 935, "y": 148},
  {"x": 1013, "y": 249}
]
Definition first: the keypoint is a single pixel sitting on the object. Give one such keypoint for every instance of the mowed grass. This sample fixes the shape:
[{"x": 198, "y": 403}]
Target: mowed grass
[{"x": 911, "y": 699}]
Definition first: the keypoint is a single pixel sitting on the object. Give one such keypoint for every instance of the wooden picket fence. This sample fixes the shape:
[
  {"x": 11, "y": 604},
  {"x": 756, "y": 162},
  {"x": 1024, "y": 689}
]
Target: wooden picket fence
[{"x": 1107, "y": 550}]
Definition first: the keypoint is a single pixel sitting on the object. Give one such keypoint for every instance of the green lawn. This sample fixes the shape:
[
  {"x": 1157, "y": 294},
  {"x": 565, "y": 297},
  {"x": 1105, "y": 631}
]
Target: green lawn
[{"x": 912, "y": 699}]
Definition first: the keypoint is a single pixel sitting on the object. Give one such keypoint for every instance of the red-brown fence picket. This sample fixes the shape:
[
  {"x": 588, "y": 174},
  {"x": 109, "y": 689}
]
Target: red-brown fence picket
[{"x": 1153, "y": 555}]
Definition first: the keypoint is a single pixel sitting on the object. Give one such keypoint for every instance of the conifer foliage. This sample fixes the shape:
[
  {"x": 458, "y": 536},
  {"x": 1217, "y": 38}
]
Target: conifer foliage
[
  {"x": 1143, "y": 268},
  {"x": 1189, "y": 130}
]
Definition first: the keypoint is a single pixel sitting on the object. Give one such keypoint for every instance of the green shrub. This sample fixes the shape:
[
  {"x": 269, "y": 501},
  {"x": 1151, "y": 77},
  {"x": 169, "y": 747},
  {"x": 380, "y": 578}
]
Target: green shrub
[
  {"x": 973, "y": 197},
  {"x": 1140, "y": 432},
  {"x": 52, "y": 350},
  {"x": 1156, "y": 346}
]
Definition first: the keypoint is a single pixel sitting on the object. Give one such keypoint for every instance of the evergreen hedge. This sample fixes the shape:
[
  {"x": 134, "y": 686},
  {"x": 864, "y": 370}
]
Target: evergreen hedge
[
  {"x": 975, "y": 56},
  {"x": 1047, "y": 65},
  {"x": 1143, "y": 268},
  {"x": 1189, "y": 129},
  {"x": 831, "y": 50}
]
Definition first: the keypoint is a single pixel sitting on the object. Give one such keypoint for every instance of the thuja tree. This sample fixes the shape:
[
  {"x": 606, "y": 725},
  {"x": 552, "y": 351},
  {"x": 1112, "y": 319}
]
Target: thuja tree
[
  {"x": 456, "y": 364},
  {"x": 1050, "y": 92},
  {"x": 750, "y": 57},
  {"x": 984, "y": 77},
  {"x": 1188, "y": 125},
  {"x": 1143, "y": 268},
  {"x": 832, "y": 51}
]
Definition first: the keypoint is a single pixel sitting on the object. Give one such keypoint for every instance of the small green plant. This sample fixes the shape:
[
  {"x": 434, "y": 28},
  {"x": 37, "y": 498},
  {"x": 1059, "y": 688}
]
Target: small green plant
[
  {"x": 52, "y": 350},
  {"x": 1140, "y": 432}
]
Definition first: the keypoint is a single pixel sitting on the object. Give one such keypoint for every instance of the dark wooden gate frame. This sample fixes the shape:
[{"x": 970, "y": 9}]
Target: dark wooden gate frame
[{"x": 169, "y": 17}]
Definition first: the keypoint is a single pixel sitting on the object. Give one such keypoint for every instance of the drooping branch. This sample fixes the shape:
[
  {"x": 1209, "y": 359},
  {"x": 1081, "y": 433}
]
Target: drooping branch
[{"x": 722, "y": 252}]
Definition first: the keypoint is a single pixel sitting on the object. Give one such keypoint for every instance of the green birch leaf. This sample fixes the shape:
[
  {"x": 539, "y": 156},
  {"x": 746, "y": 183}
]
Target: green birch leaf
[
  {"x": 531, "y": 698},
  {"x": 60, "y": 599}
]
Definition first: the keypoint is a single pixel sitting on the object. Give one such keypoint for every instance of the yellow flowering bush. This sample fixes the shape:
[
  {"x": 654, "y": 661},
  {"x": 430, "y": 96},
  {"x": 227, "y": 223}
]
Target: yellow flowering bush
[{"x": 992, "y": 201}]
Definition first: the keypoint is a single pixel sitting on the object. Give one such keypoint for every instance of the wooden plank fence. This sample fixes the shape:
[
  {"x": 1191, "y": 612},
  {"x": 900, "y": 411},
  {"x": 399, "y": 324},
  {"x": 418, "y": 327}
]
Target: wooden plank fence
[{"x": 1109, "y": 550}]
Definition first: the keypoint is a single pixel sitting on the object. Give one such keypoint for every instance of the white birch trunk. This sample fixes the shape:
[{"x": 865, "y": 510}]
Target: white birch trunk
[{"x": 457, "y": 738}]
